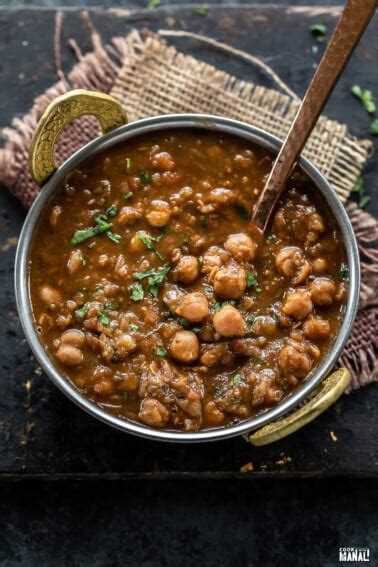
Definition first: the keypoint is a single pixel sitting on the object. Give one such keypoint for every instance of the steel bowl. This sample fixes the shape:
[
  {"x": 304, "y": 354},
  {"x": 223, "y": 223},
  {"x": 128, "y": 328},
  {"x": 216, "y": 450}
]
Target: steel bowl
[{"x": 205, "y": 122}]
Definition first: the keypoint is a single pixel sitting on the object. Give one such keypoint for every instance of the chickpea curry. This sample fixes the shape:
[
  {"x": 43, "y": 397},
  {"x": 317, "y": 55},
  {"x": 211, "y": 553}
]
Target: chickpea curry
[{"x": 152, "y": 297}]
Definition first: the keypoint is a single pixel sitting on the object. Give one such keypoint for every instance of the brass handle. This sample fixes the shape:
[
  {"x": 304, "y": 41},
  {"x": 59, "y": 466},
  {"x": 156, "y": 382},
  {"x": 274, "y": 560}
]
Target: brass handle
[
  {"x": 58, "y": 114},
  {"x": 330, "y": 390}
]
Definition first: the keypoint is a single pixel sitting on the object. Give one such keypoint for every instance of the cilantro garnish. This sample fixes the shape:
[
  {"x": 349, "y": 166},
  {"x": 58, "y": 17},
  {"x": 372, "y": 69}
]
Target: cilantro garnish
[
  {"x": 359, "y": 188},
  {"x": 133, "y": 327},
  {"x": 145, "y": 178},
  {"x": 137, "y": 292},
  {"x": 160, "y": 351},
  {"x": 318, "y": 31},
  {"x": 366, "y": 98},
  {"x": 201, "y": 10},
  {"x": 102, "y": 225},
  {"x": 219, "y": 304},
  {"x": 343, "y": 272},
  {"x": 252, "y": 282},
  {"x": 112, "y": 211},
  {"x": 113, "y": 237},
  {"x": 103, "y": 318},
  {"x": 155, "y": 278},
  {"x": 81, "y": 313},
  {"x": 128, "y": 196},
  {"x": 236, "y": 379},
  {"x": 374, "y": 127},
  {"x": 149, "y": 240}
]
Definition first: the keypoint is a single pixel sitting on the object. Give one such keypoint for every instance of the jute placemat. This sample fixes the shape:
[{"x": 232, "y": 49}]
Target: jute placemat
[{"x": 150, "y": 77}]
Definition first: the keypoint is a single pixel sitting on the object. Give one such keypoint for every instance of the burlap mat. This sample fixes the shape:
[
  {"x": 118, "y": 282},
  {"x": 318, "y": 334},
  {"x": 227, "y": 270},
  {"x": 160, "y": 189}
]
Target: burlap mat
[{"x": 149, "y": 77}]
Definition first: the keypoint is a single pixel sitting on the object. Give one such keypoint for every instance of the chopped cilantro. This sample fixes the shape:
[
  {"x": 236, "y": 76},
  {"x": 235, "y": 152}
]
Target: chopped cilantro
[
  {"x": 128, "y": 164},
  {"x": 145, "y": 178},
  {"x": 113, "y": 237},
  {"x": 258, "y": 360},
  {"x": 219, "y": 304},
  {"x": 343, "y": 272},
  {"x": 111, "y": 306},
  {"x": 201, "y": 10},
  {"x": 133, "y": 327},
  {"x": 359, "y": 188},
  {"x": 137, "y": 292},
  {"x": 155, "y": 278},
  {"x": 184, "y": 323},
  {"x": 252, "y": 282},
  {"x": 318, "y": 31},
  {"x": 102, "y": 225},
  {"x": 128, "y": 196},
  {"x": 272, "y": 238},
  {"x": 149, "y": 240},
  {"x": 236, "y": 379},
  {"x": 241, "y": 210},
  {"x": 153, "y": 4},
  {"x": 219, "y": 391},
  {"x": 234, "y": 400},
  {"x": 374, "y": 127},
  {"x": 103, "y": 318},
  {"x": 366, "y": 98},
  {"x": 81, "y": 313},
  {"x": 160, "y": 351},
  {"x": 112, "y": 211}
]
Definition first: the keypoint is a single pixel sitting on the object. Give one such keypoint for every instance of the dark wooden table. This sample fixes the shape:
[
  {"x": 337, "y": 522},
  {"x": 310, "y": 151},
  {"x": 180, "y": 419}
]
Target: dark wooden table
[{"x": 43, "y": 434}]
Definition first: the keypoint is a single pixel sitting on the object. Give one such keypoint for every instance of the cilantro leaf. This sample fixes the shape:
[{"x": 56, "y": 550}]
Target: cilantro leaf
[
  {"x": 160, "y": 351},
  {"x": 81, "y": 313},
  {"x": 145, "y": 178},
  {"x": 374, "y": 127},
  {"x": 133, "y": 327},
  {"x": 103, "y": 318},
  {"x": 128, "y": 196},
  {"x": 366, "y": 98},
  {"x": 155, "y": 278},
  {"x": 112, "y": 211},
  {"x": 113, "y": 237},
  {"x": 137, "y": 292},
  {"x": 236, "y": 379},
  {"x": 201, "y": 10},
  {"x": 318, "y": 31},
  {"x": 148, "y": 242},
  {"x": 252, "y": 282},
  {"x": 343, "y": 272},
  {"x": 102, "y": 225},
  {"x": 219, "y": 304}
]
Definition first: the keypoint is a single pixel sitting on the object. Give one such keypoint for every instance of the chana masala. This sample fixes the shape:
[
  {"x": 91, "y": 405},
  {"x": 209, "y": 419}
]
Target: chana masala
[{"x": 151, "y": 296}]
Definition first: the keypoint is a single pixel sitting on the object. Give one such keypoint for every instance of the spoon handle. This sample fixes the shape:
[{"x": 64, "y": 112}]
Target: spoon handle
[{"x": 349, "y": 29}]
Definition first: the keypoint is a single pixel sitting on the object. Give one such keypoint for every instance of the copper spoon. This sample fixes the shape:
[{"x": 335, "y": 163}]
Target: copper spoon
[{"x": 346, "y": 36}]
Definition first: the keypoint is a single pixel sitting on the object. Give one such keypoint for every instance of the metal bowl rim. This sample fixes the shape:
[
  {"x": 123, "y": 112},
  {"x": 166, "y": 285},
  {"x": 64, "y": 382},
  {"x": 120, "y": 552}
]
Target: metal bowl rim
[{"x": 163, "y": 122}]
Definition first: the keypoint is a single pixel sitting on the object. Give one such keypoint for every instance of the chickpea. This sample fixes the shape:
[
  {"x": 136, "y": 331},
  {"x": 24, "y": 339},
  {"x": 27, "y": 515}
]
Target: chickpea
[
  {"x": 230, "y": 282},
  {"x": 214, "y": 257},
  {"x": 319, "y": 266},
  {"x": 73, "y": 337},
  {"x": 290, "y": 261},
  {"x": 194, "y": 307},
  {"x": 69, "y": 355},
  {"x": 128, "y": 215},
  {"x": 49, "y": 295},
  {"x": 136, "y": 245},
  {"x": 221, "y": 196},
  {"x": 323, "y": 291},
  {"x": 213, "y": 414},
  {"x": 316, "y": 328},
  {"x": 125, "y": 344},
  {"x": 229, "y": 322},
  {"x": 163, "y": 161},
  {"x": 264, "y": 325},
  {"x": 75, "y": 261},
  {"x": 294, "y": 360},
  {"x": 153, "y": 413},
  {"x": 185, "y": 347},
  {"x": 241, "y": 246},
  {"x": 159, "y": 214},
  {"x": 187, "y": 269},
  {"x": 298, "y": 304},
  {"x": 315, "y": 223}
]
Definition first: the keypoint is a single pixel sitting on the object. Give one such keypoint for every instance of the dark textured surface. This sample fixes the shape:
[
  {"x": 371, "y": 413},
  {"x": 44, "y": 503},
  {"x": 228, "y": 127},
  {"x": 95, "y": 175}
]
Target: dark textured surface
[
  {"x": 44, "y": 434},
  {"x": 212, "y": 524}
]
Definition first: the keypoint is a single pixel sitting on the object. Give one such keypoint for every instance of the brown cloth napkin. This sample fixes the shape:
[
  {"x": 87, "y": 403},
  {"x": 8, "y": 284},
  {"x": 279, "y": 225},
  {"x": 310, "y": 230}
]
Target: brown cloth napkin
[{"x": 149, "y": 77}]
